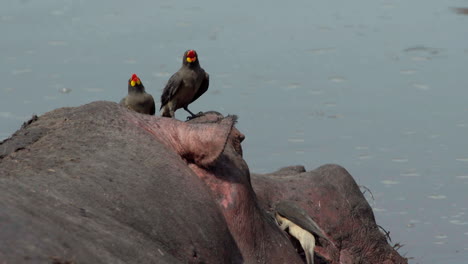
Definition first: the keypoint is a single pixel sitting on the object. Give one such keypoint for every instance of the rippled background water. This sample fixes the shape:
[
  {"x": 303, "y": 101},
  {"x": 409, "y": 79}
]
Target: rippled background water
[{"x": 379, "y": 87}]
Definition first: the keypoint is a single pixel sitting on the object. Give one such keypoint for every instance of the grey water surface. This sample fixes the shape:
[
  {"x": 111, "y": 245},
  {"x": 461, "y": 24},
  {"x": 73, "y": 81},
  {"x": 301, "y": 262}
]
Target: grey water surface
[{"x": 379, "y": 87}]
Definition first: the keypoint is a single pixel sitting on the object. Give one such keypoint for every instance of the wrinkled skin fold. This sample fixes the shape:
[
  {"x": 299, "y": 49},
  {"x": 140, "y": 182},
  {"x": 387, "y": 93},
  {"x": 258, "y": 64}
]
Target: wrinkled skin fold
[{"x": 101, "y": 184}]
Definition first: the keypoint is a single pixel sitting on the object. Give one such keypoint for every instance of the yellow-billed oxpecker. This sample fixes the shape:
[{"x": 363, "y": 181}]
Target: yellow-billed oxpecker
[
  {"x": 137, "y": 99},
  {"x": 296, "y": 222},
  {"x": 185, "y": 86}
]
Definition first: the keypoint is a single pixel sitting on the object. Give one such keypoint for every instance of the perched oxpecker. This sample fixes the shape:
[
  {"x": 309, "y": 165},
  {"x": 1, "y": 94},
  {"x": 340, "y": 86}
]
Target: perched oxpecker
[
  {"x": 185, "y": 86},
  {"x": 137, "y": 99},
  {"x": 295, "y": 220}
]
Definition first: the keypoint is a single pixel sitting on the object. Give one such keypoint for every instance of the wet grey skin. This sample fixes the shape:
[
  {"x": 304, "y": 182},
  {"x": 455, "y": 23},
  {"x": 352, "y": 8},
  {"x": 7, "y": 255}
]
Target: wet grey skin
[
  {"x": 185, "y": 86},
  {"x": 137, "y": 99}
]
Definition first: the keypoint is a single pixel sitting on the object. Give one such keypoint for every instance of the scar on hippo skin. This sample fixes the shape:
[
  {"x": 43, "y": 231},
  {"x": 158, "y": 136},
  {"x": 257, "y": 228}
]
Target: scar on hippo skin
[{"x": 296, "y": 222}]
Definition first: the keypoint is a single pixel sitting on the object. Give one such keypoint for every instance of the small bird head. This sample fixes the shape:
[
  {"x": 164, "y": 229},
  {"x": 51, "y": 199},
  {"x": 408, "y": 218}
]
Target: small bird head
[
  {"x": 134, "y": 80},
  {"x": 190, "y": 57},
  {"x": 135, "y": 84}
]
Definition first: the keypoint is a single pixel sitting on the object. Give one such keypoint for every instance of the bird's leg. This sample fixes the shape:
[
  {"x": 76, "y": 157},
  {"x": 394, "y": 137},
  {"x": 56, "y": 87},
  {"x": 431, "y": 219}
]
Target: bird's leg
[
  {"x": 186, "y": 109},
  {"x": 193, "y": 115}
]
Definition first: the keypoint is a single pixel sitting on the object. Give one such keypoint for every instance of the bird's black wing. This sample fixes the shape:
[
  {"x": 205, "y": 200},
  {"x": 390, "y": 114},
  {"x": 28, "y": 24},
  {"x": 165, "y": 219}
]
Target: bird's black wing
[
  {"x": 203, "y": 87},
  {"x": 171, "y": 89},
  {"x": 300, "y": 217},
  {"x": 152, "y": 107}
]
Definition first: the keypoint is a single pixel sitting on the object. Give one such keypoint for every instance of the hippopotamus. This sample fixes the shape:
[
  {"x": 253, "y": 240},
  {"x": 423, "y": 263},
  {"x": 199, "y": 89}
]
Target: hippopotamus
[{"x": 100, "y": 183}]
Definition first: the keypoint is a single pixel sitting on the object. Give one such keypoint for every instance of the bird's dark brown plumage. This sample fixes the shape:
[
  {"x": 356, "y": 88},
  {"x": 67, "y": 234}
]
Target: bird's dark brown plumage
[
  {"x": 185, "y": 86},
  {"x": 137, "y": 99}
]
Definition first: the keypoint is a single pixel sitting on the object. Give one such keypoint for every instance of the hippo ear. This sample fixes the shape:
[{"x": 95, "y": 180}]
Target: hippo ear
[
  {"x": 203, "y": 143},
  {"x": 199, "y": 143}
]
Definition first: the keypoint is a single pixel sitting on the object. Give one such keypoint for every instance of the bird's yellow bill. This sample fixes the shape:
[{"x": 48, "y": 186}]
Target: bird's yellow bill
[
  {"x": 133, "y": 83},
  {"x": 191, "y": 59}
]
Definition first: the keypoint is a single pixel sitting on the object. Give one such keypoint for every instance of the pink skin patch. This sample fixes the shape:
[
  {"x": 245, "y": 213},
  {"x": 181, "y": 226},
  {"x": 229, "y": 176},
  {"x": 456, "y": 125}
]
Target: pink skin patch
[{"x": 223, "y": 190}]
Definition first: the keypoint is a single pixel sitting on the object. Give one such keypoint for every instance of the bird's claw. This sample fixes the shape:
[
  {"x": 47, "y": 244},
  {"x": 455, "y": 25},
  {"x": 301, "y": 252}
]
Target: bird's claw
[{"x": 195, "y": 116}]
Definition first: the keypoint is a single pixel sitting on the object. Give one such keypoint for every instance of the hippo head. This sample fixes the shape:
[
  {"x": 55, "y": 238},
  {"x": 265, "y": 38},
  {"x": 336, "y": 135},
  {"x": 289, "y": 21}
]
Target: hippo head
[{"x": 211, "y": 147}]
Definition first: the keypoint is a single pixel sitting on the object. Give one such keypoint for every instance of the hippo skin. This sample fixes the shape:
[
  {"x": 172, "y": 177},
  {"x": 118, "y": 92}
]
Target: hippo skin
[{"x": 102, "y": 184}]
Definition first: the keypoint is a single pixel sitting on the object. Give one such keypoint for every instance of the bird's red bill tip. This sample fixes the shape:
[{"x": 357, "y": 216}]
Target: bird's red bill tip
[{"x": 191, "y": 53}]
